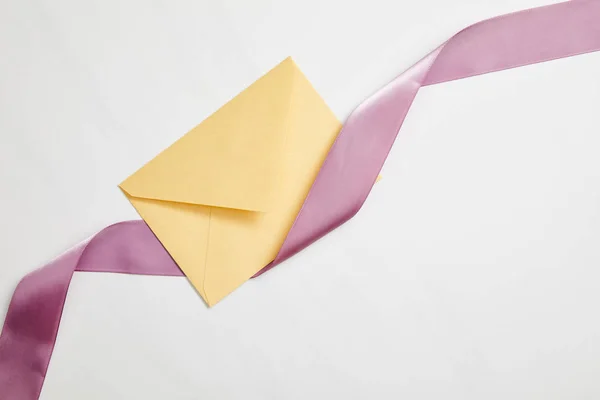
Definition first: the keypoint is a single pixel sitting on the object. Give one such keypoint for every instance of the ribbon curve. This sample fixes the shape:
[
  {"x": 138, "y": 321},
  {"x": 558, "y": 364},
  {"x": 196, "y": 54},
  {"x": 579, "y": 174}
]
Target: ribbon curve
[
  {"x": 339, "y": 191},
  {"x": 357, "y": 156},
  {"x": 34, "y": 313}
]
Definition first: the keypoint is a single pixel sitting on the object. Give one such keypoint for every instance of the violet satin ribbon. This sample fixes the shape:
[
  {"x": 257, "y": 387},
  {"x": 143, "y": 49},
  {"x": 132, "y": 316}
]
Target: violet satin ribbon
[
  {"x": 357, "y": 156},
  {"x": 340, "y": 189},
  {"x": 31, "y": 325}
]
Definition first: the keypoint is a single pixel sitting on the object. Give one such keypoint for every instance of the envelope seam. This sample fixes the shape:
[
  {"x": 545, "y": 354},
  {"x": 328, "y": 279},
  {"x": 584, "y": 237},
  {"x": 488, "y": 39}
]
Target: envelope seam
[{"x": 206, "y": 257}]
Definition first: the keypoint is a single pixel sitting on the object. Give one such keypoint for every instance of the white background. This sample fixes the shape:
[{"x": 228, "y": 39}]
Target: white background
[{"x": 471, "y": 272}]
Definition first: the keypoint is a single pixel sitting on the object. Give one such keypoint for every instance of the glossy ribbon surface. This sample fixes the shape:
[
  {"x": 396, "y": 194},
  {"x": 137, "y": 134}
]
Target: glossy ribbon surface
[
  {"x": 357, "y": 156},
  {"x": 339, "y": 191},
  {"x": 33, "y": 317}
]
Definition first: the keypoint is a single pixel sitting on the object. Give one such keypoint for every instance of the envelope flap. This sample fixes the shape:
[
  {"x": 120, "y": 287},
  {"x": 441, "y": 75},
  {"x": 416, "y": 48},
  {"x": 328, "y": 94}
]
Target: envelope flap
[{"x": 232, "y": 158}]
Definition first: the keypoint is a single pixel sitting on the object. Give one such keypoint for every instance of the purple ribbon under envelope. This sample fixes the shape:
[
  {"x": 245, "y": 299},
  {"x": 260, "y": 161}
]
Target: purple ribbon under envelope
[{"x": 339, "y": 191}]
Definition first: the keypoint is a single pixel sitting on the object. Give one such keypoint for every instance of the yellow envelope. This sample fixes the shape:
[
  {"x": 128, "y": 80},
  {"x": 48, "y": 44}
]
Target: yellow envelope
[{"x": 222, "y": 198}]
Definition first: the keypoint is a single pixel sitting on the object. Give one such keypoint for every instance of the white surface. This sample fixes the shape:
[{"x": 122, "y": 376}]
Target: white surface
[{"x": 471, "y": 272}]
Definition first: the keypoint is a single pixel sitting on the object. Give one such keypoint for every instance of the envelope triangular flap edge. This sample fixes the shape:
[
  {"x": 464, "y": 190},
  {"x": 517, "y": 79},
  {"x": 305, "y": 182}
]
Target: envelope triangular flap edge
[{"x": 231, "y": 159}]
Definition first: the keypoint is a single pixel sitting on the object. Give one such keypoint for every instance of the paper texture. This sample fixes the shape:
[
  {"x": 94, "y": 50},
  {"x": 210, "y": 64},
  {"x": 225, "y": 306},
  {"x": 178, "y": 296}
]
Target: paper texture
[{"x": 222, "y": 198}]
